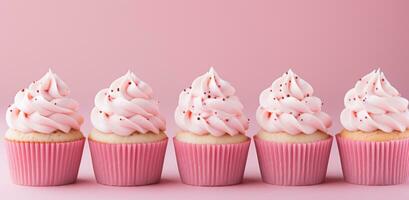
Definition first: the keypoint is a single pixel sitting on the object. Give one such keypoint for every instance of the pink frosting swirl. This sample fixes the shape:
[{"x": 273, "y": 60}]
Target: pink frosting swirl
[
  {"x": 288, "y": 105},
  {"x": 374, "y": 104},
  {"x": 126, "y": 107},
  {"x": 210, "y": 106},
  {"x": 44, "y": 107}
]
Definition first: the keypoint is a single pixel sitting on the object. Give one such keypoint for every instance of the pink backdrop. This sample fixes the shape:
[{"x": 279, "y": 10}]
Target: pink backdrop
[{"x": 89, "y": 43}]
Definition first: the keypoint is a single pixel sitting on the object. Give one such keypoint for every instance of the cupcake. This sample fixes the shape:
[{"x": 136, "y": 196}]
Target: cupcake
[
  {"x": 128, "y": 142},
  {"x": 374, "y": 144},
  {"x": 44, "y": 143},
  {"x": 293, "y": 145},
  {"x": 211, "y": 146}
]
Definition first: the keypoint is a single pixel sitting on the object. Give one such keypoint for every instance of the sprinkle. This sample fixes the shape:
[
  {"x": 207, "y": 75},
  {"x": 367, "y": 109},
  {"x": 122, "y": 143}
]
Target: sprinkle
[
  {"x": 198, "y": 118},
  {"x": 184, "y": 90},
  {"x": 22, "y": 90},
  {"x": 227, "y": 120},
  {"x": 281, "y": 85},
  {"x": 224, "y": 99},
  {"x": 308, "y": 95},
  {"x": 296, "y": 77},
  {"x": 376, "y": 88},
  {"x": 288, "y": 95},
  {"x": 11, "y": 110},
  {"x": 383, "y": 80},
  {"x": 204, "y": 93},
  {"x": 281, "y": 90},
  {"x": 38, "y": 91},
  {"x": 129, "y": 82},
  {"x": 100, "y": 111},
  {"x": 208, "y": 96},
  {"x": 366, "y": 117},
  {"x": 301, "y": 119},
  {"x": 282, "y": 97},
  {"x": 117, "y": 89},
  {"x": 120, "y": 119},
  {"x": 271, "y": 90},
  {"x": 112, "y": 90},
  {"x": 190, "y": 87},
  {"x": 55, "y": 103},
  {"x": 248, "y": 119}
]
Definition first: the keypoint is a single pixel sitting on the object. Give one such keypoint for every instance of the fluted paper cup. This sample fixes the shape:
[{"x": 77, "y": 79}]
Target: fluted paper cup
[
  {"x": 44, "y": 163},
  {"x": 293, "y": 164},
  {"x": 128, "y": 164},
  {"x": 211, "y": 164},
  {"x": 374, "y": 163}
]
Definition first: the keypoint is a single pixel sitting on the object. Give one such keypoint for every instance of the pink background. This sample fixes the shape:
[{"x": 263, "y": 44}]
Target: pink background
[{"x": 89, "y": 43}]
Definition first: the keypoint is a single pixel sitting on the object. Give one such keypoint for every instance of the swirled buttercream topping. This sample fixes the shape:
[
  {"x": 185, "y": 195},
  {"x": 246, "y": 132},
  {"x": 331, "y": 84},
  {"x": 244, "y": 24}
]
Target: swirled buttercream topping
[
  {"x": 127, "y": 107},
  {"x": 289, "y": 105},
  {"x": 210, "y": 106},
  {"x": 374, "y": 104},
  {"x": 44, "y": 107}
]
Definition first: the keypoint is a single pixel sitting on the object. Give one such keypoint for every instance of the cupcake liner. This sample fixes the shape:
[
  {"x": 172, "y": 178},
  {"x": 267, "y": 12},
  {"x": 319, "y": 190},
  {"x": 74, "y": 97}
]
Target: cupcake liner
[
  {"x": 374, "y": 163},
  {"x": 128, "y": 164},
  {"x": 211, "y": 164},
  {"x": 44, "y": 163},
  {"x": 293, "y": 164}
]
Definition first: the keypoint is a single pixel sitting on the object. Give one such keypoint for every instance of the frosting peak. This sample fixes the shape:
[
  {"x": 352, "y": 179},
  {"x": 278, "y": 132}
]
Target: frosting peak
[
  {"x": 374, "y": 104},
  {"x": 288, "y": 105},
  {"x": 127, "y": 106},
  {"x": 210, "y": 106},
  {"x": 44, "y": 107}
]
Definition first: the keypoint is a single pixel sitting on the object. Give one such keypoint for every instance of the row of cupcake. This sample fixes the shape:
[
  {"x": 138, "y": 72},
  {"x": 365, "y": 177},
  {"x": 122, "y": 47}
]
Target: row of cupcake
[{"x": 128, "y": 143}]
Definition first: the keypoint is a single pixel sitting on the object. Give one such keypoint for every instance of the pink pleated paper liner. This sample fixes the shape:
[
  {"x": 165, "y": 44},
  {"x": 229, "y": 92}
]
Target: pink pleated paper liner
[
  {"x": 128, "y": 164},
  {"x": 374, "y": 163},
  {"x": 293, "y": 164},
  {"x": 211, "y": 164},
  {"x": 44, "y": 163}
]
